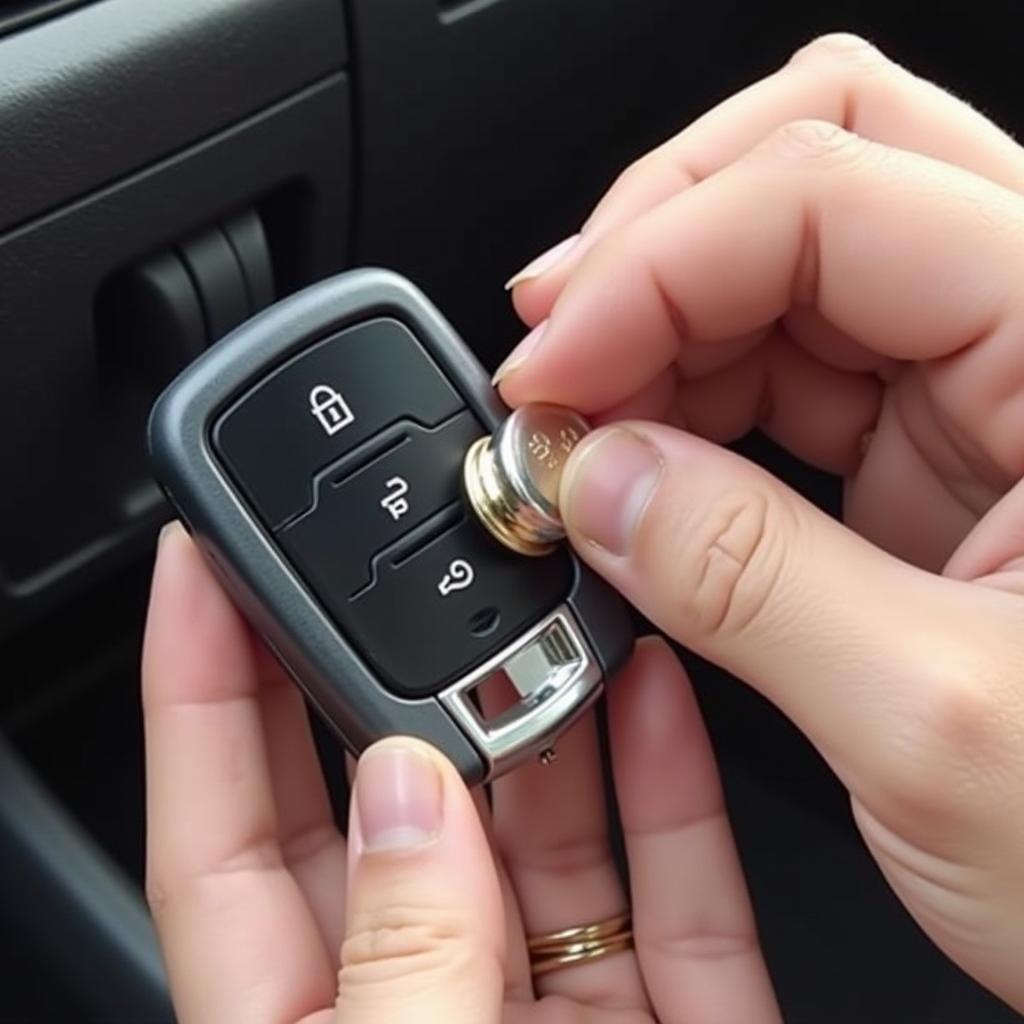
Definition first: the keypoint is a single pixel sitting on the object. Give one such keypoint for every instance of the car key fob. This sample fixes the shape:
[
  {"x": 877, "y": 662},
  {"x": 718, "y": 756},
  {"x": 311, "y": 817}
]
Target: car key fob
[{"x": 317, "y": 456}]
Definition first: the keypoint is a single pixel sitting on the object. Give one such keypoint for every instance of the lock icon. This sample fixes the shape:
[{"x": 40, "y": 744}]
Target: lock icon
[{"x": 330, "y": 409}]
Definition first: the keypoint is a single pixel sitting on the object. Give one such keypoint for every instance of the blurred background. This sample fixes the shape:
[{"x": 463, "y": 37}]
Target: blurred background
[{"x": 167, "y": 169}]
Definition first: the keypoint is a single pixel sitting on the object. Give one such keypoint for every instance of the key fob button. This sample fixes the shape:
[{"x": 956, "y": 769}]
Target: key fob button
[
  {"x": 359, "y": 511},
  {"x": 437, "y": 610},
  {"x": 323, "y": 403}
]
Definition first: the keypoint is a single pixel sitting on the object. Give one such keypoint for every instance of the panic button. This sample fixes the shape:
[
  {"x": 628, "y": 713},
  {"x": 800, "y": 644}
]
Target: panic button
[
  {"x": 320, "y": 405},
  {"x": 439, "y": 607}
]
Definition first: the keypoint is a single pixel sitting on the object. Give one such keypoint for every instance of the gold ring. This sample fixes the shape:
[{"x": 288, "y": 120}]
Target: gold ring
[{"x": 555, "y": 950}]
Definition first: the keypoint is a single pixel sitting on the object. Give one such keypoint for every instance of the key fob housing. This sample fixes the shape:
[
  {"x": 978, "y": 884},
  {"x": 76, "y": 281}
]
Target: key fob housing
[{"x": 315, "y": 455}]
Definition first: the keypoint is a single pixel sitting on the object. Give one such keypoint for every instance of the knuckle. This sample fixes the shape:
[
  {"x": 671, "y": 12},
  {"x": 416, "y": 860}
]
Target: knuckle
[
  {"x": 820, "y": 142},
  {"x": 405, "y": 943},
  {"x": 845, "y": 50},
  {"x": 567, "y": 858},
  {"x": 156, "y": 896},
  {"x": 955, "y": 748},
  {"x": 960, "y": 712},
  {"x": 735, "y": 563},
  {"x": 656, "y": 165},
  {"x": 632, "y": 174}
]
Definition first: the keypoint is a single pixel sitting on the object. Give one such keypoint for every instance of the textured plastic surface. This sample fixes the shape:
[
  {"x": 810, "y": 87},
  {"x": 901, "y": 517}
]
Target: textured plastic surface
[
  {"x": 334, "y": 675},
  {"x": 219, "y": 280},
  {"x": 86, "y": 428},
  {"x": 113, "y": 86},
  {"x": 65, "y": 897}
]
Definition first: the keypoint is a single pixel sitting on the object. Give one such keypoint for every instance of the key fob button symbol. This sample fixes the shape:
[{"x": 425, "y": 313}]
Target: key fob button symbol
[
  {"x": 460, "y": 576},
  {"x": 330, "y": 409},
  {"x": 394, "y": 501}
]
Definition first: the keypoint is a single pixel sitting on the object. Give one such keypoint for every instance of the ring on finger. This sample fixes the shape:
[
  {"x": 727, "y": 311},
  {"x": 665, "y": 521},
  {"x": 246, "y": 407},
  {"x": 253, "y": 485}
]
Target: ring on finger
[{"x": 555, "y": 950}]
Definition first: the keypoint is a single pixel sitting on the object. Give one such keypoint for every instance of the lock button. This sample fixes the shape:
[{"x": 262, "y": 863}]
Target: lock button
[
  {"x": 330, "y": 409},
  {"x": 322, "y": 404}
]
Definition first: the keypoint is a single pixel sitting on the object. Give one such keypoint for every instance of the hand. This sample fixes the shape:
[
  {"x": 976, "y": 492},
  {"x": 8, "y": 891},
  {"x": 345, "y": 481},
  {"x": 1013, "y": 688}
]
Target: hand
[
  {"x": 850, "y": 284},
  {"x": 254, "y": 893}
]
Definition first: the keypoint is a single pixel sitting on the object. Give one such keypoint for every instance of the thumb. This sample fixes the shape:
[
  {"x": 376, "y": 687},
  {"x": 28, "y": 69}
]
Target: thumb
[
  {"x": 425, "y": 925},
  {"x": 848, "y": 641}
]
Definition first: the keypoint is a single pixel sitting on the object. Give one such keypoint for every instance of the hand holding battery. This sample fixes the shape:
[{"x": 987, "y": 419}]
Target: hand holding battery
[
  {"x": 849, "y": 284},
  {"x": 856, "y": 295}
]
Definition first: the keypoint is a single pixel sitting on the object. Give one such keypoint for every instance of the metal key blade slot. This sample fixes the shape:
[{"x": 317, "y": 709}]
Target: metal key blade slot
[{"x": 556, "y": 678}]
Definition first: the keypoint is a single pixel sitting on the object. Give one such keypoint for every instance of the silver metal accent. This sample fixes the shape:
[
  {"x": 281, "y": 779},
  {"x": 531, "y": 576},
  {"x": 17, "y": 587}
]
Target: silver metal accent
[
  {"x": 512, "y": 478},
  {"x": 557, "y": 677}
]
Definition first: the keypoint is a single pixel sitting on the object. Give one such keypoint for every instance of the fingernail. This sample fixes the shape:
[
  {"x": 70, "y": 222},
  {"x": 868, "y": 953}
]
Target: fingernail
[
  {"x": 399, "y": 796},
  {"x": 543, "y": 263},
  {"x": 608, "y": 487},
  {"x": 520, "y": 353},
  {"x": 166, "y": 530}
]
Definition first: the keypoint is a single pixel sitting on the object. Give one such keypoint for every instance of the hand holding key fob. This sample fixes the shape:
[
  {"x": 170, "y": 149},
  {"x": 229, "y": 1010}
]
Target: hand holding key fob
[{"x": 374, "y": 510}]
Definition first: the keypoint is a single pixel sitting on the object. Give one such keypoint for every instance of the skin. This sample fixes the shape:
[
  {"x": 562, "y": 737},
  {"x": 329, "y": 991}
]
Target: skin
[
  {"x": 833, "y": 256},
  {"x": 266, "y": 913}
]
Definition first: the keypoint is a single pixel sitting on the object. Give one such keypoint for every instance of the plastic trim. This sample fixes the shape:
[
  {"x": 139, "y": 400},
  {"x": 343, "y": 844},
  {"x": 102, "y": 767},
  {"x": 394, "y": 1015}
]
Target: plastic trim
[
  {"x": 111, "y": 87},
  {"x": 70, "y": 900}
]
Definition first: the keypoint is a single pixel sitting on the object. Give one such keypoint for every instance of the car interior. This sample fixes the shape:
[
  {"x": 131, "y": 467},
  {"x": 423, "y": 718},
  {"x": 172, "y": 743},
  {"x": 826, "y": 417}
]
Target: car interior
[{"x": 169, "y": 169}]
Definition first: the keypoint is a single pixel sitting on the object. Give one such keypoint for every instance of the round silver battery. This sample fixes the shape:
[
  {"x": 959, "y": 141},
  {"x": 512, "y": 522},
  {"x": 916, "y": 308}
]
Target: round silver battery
[{"x": 511, "y": 478}]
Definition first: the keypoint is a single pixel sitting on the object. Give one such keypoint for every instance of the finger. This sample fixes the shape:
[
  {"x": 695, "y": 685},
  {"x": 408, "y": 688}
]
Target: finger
[
  {"x": 215, "y": 870},
  {"x": 311, "y": 845},
  {"x": 812, "y": 332},
  {"x": 518, "y": 980},
  {"x": 913, "y": 495},
  {"x": 425, "y": 935},
  {"x": 696, "y": 939},
  {"x": 838, "y": 78},
  {"x": 993, "y": 552},
  {"x": 888, "y": 246},
  {"x": 551, "y": 826},
  {"x": 870, "y": 657},
  {"x": 818, "y": 413},
  {"x": 656, "y": 399}
]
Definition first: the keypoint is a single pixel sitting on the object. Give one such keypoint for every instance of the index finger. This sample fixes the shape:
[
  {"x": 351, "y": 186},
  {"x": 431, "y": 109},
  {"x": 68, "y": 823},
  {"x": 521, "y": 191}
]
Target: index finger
[
  {"x": 912, "y": 258},
  {"x": 838, "y": 78}
]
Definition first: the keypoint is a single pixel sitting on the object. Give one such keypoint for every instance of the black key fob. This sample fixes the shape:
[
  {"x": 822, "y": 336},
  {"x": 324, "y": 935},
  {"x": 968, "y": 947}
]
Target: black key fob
[{"x": 316, "y": 455}]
